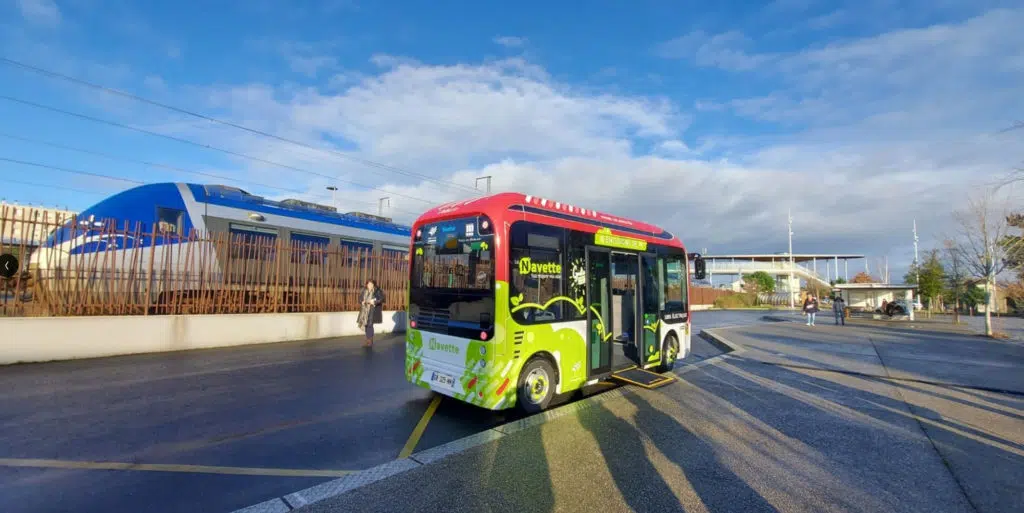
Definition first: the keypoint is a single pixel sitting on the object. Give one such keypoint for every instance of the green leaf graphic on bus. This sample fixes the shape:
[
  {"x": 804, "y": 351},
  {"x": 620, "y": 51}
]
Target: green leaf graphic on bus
[{"x": 516, "y": 300}]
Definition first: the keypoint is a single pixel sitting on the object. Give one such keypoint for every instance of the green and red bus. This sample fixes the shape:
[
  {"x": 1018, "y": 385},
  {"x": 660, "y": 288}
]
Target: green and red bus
[{"x": 514, "y": 299}]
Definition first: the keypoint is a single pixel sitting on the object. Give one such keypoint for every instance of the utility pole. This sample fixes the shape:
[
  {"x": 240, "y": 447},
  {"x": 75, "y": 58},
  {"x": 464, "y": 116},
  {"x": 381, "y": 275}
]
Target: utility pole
[
  {"x": 476, "y": 184},
  {"x": 380, "y": 205},
  {"x": 789, "y": 286}
]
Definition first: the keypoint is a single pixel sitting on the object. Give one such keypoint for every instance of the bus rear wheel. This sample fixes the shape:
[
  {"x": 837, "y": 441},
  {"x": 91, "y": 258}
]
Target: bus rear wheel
[{"x": 536, "y": 386}]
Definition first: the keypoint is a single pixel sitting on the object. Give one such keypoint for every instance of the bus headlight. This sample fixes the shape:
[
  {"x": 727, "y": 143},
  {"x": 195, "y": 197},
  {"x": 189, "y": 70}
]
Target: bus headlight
[{"x": 483, "y": 351}]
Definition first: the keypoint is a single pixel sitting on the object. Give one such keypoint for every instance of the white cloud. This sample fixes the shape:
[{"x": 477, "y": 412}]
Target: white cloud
[
  {"x": 41, "y": 12},
  {"x": 853, "y": 186},
  {"x": 510, "y": 41},
  {"x": 305, "y": 58}
]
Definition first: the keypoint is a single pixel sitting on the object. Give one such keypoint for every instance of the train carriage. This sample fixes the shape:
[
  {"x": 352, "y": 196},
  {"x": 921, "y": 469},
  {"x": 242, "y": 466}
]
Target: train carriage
[{"x": 198, "y": 234}]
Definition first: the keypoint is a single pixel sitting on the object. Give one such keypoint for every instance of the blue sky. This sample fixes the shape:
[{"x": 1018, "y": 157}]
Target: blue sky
[{"x": 712, "y": 120}]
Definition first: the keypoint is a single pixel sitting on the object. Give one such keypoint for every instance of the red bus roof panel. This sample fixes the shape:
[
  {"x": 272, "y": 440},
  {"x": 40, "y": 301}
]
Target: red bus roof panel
[{"x": 496, "y": 206}]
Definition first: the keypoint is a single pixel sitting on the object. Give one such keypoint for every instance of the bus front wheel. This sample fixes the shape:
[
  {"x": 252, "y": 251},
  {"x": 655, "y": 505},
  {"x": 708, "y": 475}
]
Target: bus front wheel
[
  {"x": 536, "y": 385},
  {"x": 670, "y": 352}
]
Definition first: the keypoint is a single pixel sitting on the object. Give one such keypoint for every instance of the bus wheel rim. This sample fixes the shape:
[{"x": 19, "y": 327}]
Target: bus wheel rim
[
  {"x": 673, "y": 350},
  {"x": 537, "y": 385}
]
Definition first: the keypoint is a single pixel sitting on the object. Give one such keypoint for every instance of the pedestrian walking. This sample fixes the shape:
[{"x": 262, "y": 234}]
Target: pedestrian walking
[
  {"x": 810, "y": 308},
  {"x": 839, "y": 309},
  {"x": 370, "y": 310}
]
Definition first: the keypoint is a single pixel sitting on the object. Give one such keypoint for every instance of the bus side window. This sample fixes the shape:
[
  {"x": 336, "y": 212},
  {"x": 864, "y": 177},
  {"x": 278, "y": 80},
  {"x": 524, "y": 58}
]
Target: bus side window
[{"x": 536, "y": 273}]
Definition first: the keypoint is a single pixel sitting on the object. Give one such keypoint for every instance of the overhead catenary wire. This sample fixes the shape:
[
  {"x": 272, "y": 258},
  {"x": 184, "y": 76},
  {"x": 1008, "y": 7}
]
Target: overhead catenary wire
[
  {"x": 182, "y": 170},
  {"x": 203, "y": 145},
  {"x": 69, "y": 170},
  {"x": 124, "y": 94},
  {"x": 51, "y": 186}
]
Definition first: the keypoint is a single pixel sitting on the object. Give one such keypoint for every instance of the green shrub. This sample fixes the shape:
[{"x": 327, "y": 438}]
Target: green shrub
[{"x": 742, "y": 300}]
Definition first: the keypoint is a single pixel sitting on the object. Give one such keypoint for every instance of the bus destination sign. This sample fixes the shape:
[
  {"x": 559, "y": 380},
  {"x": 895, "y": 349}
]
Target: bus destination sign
[{"x": 604, "y": 237}]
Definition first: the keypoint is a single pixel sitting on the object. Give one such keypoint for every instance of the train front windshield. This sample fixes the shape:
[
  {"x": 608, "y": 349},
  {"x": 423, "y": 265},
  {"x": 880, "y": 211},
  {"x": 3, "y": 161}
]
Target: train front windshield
[{"x": 452, "y": 283}]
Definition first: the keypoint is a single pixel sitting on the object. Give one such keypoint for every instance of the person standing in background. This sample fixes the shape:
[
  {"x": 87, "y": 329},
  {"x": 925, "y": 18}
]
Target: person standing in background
[
  {"x": 371, "y": 306},
  {"x": 838, "y": 308},
  {"x": 810, "y": 308}
]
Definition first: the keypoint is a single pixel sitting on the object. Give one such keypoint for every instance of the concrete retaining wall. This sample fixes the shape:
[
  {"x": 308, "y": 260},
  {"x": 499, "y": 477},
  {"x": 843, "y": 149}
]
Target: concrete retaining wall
[{"x": 42, "y": 339}]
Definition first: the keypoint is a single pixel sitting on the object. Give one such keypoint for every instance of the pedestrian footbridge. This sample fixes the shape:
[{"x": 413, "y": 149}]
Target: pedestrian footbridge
[{"x": 820, "y": 269}]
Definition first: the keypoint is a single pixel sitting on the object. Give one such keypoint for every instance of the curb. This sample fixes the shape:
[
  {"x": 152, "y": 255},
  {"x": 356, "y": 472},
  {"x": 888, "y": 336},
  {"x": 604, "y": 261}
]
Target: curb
[
  {"x": 716, "y": 339},
  {"x": 776, "y": 318},
  {"x": 362, "y": 478}
]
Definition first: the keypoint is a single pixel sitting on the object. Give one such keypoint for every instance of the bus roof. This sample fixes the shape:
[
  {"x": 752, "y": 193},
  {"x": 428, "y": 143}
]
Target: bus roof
[{"x": 502, "y": 202}]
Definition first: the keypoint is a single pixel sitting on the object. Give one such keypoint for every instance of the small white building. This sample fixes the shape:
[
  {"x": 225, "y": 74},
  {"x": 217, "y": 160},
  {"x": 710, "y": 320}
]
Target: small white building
[{"x": 869, "y": 296}]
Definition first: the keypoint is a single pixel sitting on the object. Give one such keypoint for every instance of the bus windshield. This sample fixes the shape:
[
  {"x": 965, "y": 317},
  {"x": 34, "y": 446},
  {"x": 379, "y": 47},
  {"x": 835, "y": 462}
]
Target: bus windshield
[
  {"x": 452, "y": 255},
  {"x": 452, "y": 279}
]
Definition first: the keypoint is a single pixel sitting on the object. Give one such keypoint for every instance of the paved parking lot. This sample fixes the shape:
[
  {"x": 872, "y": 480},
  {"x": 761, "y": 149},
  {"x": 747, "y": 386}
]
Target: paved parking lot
[{"x": 860, "y": 418}]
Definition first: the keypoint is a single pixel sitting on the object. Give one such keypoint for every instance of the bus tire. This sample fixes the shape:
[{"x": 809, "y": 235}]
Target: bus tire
[
  {"x": 536, "y": 386},
  {"x": 669, "y": 352}
]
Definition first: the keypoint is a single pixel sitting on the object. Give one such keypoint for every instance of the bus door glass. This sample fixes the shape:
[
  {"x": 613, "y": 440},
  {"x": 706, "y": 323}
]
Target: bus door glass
[
  {"x": 650, "y": 305},
  {"x": 599, "y": 337}
]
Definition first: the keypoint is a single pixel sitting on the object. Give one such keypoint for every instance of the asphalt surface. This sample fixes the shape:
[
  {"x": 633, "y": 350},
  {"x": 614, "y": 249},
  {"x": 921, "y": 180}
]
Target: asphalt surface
[
  {"x": 185, "y": 431},
  {"x": 803, "y": 418}
]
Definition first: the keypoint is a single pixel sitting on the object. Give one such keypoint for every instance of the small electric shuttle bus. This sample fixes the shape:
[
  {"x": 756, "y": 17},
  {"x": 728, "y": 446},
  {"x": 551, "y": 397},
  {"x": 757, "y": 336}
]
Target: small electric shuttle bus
[{"x": 514, "y": 299}]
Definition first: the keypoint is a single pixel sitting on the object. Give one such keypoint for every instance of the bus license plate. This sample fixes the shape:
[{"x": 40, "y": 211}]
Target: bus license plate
[{"x": 443, "y": 379}]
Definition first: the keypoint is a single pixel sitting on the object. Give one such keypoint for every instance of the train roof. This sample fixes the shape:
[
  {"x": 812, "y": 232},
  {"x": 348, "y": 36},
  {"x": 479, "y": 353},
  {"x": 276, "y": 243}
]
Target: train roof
[
  {"x": 510, "y": 200},
  {"x": 238, "y": 198}
]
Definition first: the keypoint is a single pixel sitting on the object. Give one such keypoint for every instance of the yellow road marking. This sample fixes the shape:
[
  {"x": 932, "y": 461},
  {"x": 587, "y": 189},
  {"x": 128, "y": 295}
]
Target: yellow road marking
[
  {"x": 160, "y": 467},
  {"x": 414, "y": 438}
]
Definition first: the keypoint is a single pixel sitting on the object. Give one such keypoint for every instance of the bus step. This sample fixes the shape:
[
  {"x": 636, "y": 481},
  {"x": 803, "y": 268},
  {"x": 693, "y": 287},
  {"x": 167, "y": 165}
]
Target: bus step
[{"x": 642, "y": 378}]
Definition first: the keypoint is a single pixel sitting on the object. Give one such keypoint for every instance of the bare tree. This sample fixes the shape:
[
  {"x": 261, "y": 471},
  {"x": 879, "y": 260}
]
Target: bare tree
[
  {"x": 955, "y": 275},
  {"x": 982, "y": 228}
]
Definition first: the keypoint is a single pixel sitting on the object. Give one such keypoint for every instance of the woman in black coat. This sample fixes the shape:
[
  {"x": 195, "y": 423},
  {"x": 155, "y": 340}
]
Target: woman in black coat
[{"x": 370, "y": 310}]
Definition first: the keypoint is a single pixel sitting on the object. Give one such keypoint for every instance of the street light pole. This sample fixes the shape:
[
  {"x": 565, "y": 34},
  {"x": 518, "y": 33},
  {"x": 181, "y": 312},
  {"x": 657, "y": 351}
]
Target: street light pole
[
  {"x": 789, "y": 287},
  {"x": 917, "y": 269},
  {"x": 476, "y": 184},
  {"x": 334, "y": 195}
]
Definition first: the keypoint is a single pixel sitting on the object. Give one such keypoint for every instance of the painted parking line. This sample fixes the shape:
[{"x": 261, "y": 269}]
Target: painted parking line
[
  {"x": 159, "y": 467},
  {"x": 414, "y": 438}
]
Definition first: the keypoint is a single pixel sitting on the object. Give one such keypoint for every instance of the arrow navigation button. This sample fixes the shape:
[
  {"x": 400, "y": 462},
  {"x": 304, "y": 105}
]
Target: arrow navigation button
[{"x": 8, "y": 265}]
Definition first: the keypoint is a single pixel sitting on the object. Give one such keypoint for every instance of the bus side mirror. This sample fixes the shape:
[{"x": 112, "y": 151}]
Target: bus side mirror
[{"x": 699, "y": 268}]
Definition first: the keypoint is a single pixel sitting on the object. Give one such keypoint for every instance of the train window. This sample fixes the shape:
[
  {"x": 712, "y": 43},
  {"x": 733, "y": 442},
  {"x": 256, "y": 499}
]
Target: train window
[
  {"x": 252, "y": 242},
  {"x": 353, "y": 248},
  {"x": 309, "y": 249},
  {"x": 169, "y": 220}
]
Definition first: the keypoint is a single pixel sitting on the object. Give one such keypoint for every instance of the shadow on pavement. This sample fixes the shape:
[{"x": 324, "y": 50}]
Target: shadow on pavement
[
  {"x": 987, "y": 464},
  {"x": 639, "y": 482},
  {"x": 698, "y": 461}
]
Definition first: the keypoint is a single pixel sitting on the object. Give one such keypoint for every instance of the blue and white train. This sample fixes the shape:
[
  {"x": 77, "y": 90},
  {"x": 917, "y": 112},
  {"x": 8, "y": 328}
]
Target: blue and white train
[{"x": 175, "y": 209}]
